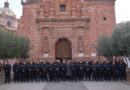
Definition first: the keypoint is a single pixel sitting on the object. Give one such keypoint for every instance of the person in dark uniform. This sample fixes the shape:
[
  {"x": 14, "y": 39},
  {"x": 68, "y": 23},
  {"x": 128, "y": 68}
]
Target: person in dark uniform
[
  {"x": 97, "y": 70},
  {"x": 40, "y": 70},
  {"x": 105, "y": 70},
  {"x": 108, "y": 71},
  {"x": 57, "y": 70},
  {"x": 23, "y": 71},
  {"x": 110, "y": 65},
  {"x": 51, "y": 71},
  {"x": 37, "y": 71},
  {"x": 68, "y": 71},
  {"x": 19, "y": 71},
  {"x": 7, "y": 70},
  {"x": 33, "y": 71},
  {"x": 94, "y": 73},
  {"x": 101, "y": 67},
  {"x": 16, "y": 72},
  {"x": 80, "y": 69},
  {"x": 117, "y": 70},
  {"x": 87, "y": 70},
  {"x": 122, "y": 70},
  {"x": 74, "y": 71},
  {"x": 26, "y": 64},
  {"x": 0, "y": 67},
  {"x": 60, "y": 65},
  {"x": 44, "y": 71},
  {"x": 29, "y": 72},
  {"x": 63, "y": 71},
  {"x": 47, "y": 70},
  {"x": 114, "y": 70},
  {"x": 124, "y": 73}
]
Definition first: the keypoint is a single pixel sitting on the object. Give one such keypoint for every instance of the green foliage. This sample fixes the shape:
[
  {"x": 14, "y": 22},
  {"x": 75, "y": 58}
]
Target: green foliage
[
  {"x": 119, "y": 42},
  {"x": 12, "y": 46},
  {"x": 105, "y": 46}
]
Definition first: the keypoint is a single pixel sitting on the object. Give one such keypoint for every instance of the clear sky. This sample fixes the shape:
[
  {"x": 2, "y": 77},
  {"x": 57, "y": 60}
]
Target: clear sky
[{"x": 122, "y": 9}]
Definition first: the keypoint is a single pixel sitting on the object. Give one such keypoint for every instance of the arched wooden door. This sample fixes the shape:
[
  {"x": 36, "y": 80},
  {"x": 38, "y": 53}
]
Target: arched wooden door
[{"x": 63, "y": 49}]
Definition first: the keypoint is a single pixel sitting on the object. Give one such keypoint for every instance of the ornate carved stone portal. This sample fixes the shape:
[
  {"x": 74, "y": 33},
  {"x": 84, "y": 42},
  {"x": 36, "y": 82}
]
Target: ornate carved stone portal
[{"x": 66, "y": 28}]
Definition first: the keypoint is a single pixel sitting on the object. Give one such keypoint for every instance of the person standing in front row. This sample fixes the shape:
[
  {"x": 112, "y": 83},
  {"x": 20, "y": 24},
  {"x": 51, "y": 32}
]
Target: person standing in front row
[
  {"x": 7, "y": 71},
  {"x": 68, "y": 71}
]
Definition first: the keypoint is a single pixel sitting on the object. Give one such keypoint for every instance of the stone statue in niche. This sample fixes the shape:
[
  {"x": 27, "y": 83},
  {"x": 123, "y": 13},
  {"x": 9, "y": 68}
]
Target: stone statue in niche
[
  {"x": 74, "y": 8},
  {"x": 47, "y": 5},
  {"x": 78, "y": 7},
  {"x": 78, "y": 4},
  {"x": 73, "y": 4},
  {"x": 80, "y": 44},
  {"x": 46, "y": 44},
  {"x": 41, "y": 6},
  {"x": 52, "y": 11}
]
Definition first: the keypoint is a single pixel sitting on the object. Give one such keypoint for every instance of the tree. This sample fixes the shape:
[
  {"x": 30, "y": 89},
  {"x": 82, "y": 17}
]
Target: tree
[
  {"x": 105, "y": 46},
  {"x": 12, "y": 46},
  {"x": 119, "y": 42},
  {"x": 121, "y": 39}
]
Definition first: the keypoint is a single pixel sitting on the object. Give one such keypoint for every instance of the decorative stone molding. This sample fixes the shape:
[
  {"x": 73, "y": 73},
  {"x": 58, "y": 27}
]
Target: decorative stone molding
[
  {"x": 74, "y": 24},
  {"x": 63, "y": 19},
  {"x": 24, "y": 2}
]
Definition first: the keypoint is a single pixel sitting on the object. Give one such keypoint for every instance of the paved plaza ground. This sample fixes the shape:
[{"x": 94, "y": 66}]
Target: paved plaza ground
[{"x": 67, "y": 86}]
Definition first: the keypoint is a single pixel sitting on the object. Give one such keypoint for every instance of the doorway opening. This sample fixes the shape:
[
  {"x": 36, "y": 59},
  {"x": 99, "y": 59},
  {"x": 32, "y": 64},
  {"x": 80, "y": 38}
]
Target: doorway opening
[{"x": 63, "y": 50}]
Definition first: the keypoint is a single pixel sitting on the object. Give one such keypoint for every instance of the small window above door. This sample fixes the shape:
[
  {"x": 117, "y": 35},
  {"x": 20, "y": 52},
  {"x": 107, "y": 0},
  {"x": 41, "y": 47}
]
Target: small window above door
[{"x": 62, "y": 8}]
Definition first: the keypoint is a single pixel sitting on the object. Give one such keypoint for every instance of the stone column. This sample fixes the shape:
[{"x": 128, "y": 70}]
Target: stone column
[
  {"x": 47, "y": 8},
  {"x": 52, "y": 11},
  {"x": 73, "y": 11}
]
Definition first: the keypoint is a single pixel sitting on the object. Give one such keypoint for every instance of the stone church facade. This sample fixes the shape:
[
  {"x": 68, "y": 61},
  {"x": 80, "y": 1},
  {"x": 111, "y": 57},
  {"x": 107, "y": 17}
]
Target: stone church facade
[
  {"x": 8, "y": 19},
  {"x": 66, "y": 29}
]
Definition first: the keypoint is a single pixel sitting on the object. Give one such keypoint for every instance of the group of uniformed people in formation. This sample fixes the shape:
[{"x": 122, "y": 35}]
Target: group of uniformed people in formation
[{"x": 67, "y": 70}]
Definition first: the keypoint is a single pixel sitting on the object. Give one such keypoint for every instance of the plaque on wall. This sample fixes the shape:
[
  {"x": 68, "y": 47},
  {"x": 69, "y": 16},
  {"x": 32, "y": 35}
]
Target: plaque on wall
[
  {"x": 81, "y": 54},
  {"x": 93, "y": 54},
  {"x": 46, "y": 55}
]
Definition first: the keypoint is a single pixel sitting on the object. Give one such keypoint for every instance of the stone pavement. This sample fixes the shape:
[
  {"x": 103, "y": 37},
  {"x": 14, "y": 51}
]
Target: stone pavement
[
  {"x": 67, "y": 86},
  {"x": 23, "y": 86},
  {"x": 107, "y": 85}
]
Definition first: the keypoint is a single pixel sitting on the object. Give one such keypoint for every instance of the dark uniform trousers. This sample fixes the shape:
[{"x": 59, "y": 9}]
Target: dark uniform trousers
[{"x": 7, "y": 70}]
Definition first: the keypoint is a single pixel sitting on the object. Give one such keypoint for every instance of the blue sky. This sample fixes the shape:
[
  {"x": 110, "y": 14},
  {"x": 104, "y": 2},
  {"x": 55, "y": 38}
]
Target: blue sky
[{"x": 122, "y": 9}]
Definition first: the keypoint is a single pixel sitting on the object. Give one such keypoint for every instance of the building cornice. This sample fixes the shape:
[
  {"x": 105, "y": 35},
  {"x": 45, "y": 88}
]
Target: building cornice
[{"x": 87, "y": 19}]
